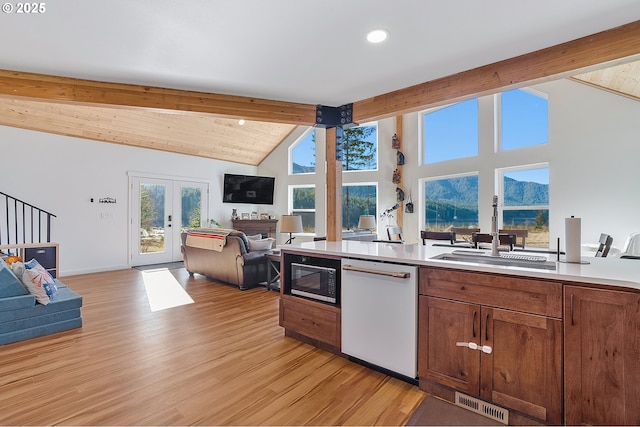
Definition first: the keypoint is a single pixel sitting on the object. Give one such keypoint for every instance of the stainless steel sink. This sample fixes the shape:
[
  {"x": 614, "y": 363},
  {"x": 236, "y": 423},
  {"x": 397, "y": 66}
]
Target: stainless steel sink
[{"x": 510, "y": 260}]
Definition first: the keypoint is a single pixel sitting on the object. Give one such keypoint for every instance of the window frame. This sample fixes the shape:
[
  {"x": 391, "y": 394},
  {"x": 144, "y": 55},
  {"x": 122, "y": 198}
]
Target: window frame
[
  {"x": 423, "y": 197},
  {"x": 361, "y": 184},
  {"x": 293, "y": 146},
  {"x": 500, "y": 172},
  {"x": 422, "y": 149},
  {"x": 498, "y": 147},
  {"x": 292, "y": 210},
  {"x": 377, "y": 149}
]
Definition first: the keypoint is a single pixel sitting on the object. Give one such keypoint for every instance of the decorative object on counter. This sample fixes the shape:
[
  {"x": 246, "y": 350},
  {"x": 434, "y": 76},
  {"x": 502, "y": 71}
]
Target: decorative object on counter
[
  {"x": 399, "y": 194},
  {"x": 367, "y": 222},
  {"x": 408, "y": 207},
  {"x": 291, "y": 224},
  {"x": 396, "y": 177},
  {"x": 245, "y": 215},
  {"x": 254, "y": 215},
  {"x": 395, "y": 142},
  {"x": 399, "y": 158},
  {"x": 265, "y": 215},
  {"x": 234, "y": 214}
]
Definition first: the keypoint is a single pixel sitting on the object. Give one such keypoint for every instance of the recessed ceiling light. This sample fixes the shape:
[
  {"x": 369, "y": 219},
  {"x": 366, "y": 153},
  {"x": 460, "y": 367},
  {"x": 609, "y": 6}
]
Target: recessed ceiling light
[
  {"x": 241, "y": 122},
  {"x": 377, "y": 36}
]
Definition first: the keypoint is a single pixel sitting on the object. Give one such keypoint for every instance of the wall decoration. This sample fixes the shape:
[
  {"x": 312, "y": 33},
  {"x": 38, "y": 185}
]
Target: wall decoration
[
  {"x": 395, "y": 142},
  {"x": 396, "y": 177},
  {"x": 399, "y": 194},
  {"x": 400, "y": 158},
  {"x": 408, "y": 207}
]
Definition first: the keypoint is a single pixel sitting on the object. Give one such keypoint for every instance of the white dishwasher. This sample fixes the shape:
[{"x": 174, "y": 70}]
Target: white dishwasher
[{"x": 379, "y": 314}]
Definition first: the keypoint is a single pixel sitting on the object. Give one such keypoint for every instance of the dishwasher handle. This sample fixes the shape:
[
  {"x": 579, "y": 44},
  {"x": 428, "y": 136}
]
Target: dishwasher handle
[{"x": 397, "y": 275}]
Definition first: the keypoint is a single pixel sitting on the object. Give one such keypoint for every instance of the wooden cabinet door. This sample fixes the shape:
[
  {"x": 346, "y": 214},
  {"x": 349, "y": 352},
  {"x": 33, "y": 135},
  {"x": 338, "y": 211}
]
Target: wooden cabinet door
[
  {"x": 601, "y": 357},
  {"x": 443, "y": 323},
  {"x": 523, "y": 371}
]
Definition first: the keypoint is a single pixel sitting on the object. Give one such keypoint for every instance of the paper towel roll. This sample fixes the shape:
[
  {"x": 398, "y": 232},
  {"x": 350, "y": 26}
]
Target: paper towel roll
[{"x": 572, "y": 231}]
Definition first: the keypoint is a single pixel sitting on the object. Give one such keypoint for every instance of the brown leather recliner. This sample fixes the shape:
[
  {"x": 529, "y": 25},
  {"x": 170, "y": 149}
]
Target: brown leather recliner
[{"x": 235, "y": 264}]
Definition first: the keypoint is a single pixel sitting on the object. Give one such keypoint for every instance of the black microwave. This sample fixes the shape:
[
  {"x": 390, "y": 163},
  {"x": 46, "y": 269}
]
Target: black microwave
[{"x": 315, "y": 278}]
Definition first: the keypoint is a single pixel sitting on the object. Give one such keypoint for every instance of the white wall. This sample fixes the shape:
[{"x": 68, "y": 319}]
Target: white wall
[
  {"x": 593, "y": 153},
  {"x": 61, "y": 174}
]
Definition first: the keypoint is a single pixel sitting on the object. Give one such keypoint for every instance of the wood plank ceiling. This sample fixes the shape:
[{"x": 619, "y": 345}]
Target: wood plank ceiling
[
  {"x": 196, "y": 134},
  {"x": 622, "y": 79}
]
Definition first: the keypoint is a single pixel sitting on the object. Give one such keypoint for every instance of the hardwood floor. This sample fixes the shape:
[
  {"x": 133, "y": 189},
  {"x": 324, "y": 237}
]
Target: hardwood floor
[{"x": 222, "y": 360}]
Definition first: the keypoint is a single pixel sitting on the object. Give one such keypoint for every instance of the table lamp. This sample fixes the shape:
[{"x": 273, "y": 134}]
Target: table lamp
[
  {"x": 291, "y": 224},
  {"x": 367, "y": 222}
]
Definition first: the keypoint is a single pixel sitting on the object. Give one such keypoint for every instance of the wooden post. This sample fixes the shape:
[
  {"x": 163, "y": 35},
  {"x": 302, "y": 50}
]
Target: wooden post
[
  {"x": 400, "y": 210},
  {"x": 334, "y": 184}
]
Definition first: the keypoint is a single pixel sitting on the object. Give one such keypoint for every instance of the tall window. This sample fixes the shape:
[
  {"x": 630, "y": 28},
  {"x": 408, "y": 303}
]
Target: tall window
[
  {"x": 451, "y": 132},
  {"x": 358, "y": 199},
  {"x": 524, "y": 117},
  {"x": 303, "y": 203},
  {"x": 360, "y": 148},
  {"x": 525, "y": 195},
  {"x": 451, "y": 202},
  {"x": 303, "y": 153}
]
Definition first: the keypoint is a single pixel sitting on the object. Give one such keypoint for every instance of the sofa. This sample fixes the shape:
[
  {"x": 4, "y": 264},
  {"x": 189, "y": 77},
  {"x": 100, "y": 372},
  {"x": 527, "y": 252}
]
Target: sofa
[
  {"x": 235, "y": 263},
  {"x": 23, "y": 317}
]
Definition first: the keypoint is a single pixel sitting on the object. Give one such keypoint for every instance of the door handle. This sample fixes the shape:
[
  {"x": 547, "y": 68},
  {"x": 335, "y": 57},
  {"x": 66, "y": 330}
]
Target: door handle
[
  {"x": 475, "y": 314},
  {"x": 486, "y": 327}
]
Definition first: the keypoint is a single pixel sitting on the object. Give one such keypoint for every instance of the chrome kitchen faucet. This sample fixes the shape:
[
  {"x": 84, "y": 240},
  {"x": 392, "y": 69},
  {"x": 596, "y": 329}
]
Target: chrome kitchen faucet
[{"x": 495, "y": 241}]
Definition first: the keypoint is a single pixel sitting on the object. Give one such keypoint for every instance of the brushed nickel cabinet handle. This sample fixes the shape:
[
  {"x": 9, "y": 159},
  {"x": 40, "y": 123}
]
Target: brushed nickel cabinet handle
[{"x": 397, "y": 275}]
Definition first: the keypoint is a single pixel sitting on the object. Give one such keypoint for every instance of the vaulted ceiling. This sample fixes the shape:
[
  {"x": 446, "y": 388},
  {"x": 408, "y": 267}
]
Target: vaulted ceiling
[{"x": 268, "y": 62}]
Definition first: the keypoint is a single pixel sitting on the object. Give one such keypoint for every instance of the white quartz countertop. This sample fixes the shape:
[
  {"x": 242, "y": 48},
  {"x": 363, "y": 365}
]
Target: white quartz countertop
[{"x": 623, "y": 273}]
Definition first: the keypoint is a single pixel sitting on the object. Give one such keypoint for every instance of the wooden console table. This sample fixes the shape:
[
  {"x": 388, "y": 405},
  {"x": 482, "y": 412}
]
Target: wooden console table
[{"x": 266, "y": 227}]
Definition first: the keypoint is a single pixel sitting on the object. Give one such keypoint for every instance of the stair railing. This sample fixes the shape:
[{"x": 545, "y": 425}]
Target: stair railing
[{"x": 23, "y": 222}]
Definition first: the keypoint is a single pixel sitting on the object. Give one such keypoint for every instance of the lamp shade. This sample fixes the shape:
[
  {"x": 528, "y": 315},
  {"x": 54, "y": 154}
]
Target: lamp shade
[
  {"x": 291, "y": 224},
  {"x": 367, "y": 222}
]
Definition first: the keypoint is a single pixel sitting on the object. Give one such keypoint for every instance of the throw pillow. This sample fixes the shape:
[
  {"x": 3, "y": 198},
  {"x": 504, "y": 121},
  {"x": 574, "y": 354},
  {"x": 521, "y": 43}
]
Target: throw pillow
[
  {"x": 10, "y": 286},
  {"x": 260, "y": 245},
  {"x": 39, "y": 282},
  {"x": 255, "y": 237}
]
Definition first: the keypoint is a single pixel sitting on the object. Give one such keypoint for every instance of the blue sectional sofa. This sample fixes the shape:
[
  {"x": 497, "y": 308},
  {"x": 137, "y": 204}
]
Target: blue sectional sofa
[{"x": 21, "y": 317}]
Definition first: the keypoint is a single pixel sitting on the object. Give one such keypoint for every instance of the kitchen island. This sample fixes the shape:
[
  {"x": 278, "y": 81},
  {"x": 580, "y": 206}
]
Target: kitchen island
[{"x": 549, "y": 346}]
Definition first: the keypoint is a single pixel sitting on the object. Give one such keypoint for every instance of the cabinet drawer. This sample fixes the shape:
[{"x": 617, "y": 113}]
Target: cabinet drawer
[
  {"x": 509, "y": 292},
  {"x": 45, "y": 256},
  {"x": 311, "y": 321}
]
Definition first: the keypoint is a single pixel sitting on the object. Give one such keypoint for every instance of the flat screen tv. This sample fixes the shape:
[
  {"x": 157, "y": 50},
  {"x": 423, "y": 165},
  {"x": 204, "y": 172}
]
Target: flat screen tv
[{"x": 256, "y": 190}]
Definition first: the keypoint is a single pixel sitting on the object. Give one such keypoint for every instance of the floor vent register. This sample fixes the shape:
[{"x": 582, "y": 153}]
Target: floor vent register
[{"x": 483, "y": 408}]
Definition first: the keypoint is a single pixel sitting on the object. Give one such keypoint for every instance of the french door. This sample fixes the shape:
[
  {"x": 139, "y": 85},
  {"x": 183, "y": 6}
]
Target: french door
[{"x": 160, "y": 209}]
